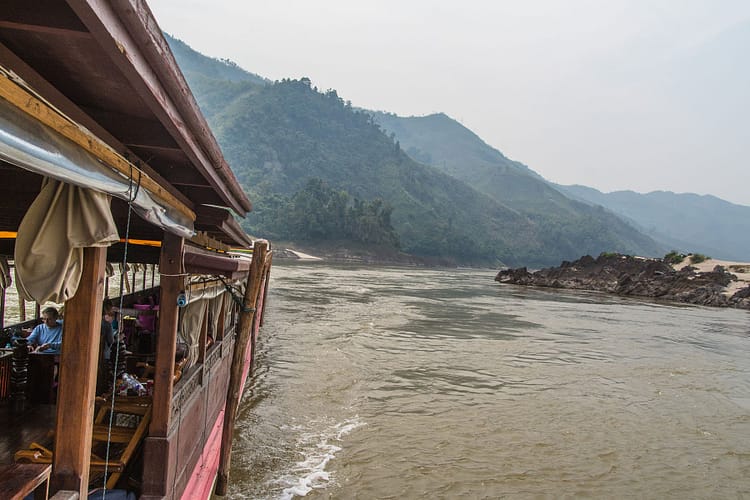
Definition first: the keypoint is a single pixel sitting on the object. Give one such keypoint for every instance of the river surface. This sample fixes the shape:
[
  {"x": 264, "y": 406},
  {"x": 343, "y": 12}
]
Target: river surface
[{"x": 377, "y": 382}]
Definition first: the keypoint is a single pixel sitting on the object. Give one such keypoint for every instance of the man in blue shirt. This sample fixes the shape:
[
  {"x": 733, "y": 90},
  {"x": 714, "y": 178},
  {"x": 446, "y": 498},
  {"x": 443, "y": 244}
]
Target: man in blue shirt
[{"x": 47, "y": 337}]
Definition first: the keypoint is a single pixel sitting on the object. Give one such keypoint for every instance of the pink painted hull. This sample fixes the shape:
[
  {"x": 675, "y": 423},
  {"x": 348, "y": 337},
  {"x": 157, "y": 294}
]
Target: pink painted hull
[{"x": 201, "y": 484}]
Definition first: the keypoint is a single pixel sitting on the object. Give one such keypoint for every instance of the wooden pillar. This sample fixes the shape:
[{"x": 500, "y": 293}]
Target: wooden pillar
[
  {"x": 124, "y": 281},
  {"x": 266, "y": 278},
  {"x": 234, "y": 390},
  {"x": 160, "y": 447},
  {"x": 77, "y": 377},
  {"x": 172, "y": 283}
]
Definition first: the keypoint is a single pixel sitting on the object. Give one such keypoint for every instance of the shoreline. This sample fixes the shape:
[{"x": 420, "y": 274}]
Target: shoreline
[
  {"x": 367, "y": 255},
  {"x": 740, "y": 269}
]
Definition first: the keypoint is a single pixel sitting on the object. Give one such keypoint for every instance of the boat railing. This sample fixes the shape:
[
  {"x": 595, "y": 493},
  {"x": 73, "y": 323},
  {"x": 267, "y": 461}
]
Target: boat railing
[{"x": 193, "y": 379}]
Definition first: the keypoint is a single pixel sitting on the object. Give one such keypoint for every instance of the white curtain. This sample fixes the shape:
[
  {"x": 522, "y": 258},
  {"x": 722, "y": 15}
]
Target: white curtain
[
  {"x": 190, "y": 327},
  {"x": 214, "y": 307}
]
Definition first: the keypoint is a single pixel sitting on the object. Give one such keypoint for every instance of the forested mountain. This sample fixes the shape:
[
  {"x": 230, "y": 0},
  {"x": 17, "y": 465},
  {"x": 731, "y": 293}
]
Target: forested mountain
[
  {"x": 280, "y": 137},
  {"x": 445, "y": 144},
  {"x": 290, "y": 144},
  {"x": 685, "y": 222}
]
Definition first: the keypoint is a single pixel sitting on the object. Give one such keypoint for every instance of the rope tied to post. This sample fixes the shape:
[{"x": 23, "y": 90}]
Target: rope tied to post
[{"x": 235, "y": 296}]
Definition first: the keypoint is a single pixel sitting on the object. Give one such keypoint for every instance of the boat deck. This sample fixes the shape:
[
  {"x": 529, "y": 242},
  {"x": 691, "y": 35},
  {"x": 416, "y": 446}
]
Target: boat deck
[{"x": 22, "y": 428}]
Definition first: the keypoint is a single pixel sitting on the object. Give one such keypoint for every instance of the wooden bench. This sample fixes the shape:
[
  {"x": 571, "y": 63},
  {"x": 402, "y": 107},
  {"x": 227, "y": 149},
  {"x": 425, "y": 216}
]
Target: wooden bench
[
  {"x": 130, "y": 437},
  {"x": 18, "y": 480}
]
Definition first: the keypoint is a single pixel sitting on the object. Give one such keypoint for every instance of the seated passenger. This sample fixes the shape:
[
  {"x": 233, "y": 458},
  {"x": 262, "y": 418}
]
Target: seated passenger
[{"x": 47, "y": 337}]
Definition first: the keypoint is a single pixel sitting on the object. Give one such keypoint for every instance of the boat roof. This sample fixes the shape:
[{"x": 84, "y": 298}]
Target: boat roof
[{"x": 106, "y": 66}]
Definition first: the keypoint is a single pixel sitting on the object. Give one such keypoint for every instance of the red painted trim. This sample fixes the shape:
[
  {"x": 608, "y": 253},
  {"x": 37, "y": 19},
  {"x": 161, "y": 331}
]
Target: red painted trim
[{"x": 201, "y": 482}]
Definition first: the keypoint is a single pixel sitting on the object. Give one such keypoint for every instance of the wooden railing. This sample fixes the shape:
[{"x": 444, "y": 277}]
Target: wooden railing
[{"x": 192, "y": 380}]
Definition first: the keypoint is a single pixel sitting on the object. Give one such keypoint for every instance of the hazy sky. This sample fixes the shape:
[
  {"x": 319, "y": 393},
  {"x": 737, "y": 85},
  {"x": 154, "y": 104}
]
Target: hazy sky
[{"x": 616, "y": 94}]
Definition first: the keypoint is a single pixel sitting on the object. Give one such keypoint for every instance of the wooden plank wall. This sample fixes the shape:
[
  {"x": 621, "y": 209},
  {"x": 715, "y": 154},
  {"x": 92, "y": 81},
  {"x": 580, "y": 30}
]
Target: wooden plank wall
[{"x": 197, "y": 417}]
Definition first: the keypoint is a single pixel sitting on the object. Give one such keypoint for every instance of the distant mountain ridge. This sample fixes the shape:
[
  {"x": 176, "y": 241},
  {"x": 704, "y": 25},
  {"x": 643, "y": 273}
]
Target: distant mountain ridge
[
  {"x": 445, "y": 144},
  {"x": 686, "y": 222},
  {"x": 278, "y": 136},
  {"x": 442, "y": 136}
]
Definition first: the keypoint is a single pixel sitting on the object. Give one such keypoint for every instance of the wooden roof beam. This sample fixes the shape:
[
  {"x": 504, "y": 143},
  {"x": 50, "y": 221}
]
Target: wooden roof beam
[
  {"x": 43, "y": 16},
  {"x": 225, "y": 222},
  {"x": 61, "y": 102},
  {"x": 134, "y": 130},
  {"x": 45, "y": 30},
  {"x": 127, "y": 31},
  {"x": 42, "y": 112}
]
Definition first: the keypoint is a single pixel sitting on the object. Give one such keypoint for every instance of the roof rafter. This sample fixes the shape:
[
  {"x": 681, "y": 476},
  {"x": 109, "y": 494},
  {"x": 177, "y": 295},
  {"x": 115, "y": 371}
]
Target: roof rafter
[{"x": 133, "y": 52}]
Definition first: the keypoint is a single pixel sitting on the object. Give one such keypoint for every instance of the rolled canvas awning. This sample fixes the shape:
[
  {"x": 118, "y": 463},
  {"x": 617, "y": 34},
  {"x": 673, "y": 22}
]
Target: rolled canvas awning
[
  {"x": 62, "y": 221},
  {"x": 31, "y": 145}
]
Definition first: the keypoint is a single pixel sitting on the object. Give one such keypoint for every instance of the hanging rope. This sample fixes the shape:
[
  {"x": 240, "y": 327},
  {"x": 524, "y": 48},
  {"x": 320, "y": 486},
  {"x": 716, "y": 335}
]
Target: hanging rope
[
  {"x": 235, "y": 296},
  {"x": 132, "y": 193}
]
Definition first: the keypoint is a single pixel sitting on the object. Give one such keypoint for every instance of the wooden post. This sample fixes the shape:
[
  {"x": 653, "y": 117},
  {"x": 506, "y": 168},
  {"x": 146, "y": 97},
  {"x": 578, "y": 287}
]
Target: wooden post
[
  {"x": 160, "y": 448},
  {"x": 22, "y": 308},
  {"x": 247, "y": 317},
  {"x": 265, "y": 289},
  {"x": 77, "y": 377},
  {"x": 172, "y": 283},
  {"x": 124, "y": 279},
  {"x": 135, "y": 272}
]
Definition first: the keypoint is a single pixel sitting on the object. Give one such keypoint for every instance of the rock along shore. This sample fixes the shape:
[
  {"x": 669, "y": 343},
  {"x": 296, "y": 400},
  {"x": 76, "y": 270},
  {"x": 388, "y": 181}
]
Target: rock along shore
[{"x": 643, "y": 277}]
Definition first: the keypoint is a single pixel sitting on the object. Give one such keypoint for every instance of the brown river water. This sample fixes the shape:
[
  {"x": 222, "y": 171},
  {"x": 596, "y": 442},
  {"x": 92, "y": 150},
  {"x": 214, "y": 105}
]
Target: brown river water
[{"x": 394, "y": 383}]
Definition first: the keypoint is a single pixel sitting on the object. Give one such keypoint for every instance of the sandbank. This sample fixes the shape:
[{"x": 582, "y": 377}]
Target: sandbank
[{"x": 739, "y": 269}]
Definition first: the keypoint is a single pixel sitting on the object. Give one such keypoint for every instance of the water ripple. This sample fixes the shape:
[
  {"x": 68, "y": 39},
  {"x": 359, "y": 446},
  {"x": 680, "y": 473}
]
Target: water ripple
[{"x": 470, "y": 389}]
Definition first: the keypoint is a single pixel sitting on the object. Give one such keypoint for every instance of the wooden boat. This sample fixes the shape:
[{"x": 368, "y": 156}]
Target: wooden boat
[{"x": 105, "y": 159}]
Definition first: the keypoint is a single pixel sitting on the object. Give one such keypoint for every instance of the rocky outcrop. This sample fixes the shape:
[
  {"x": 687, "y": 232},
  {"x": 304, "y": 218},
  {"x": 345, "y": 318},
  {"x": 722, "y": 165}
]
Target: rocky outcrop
[{"x": 636, "y": 276}]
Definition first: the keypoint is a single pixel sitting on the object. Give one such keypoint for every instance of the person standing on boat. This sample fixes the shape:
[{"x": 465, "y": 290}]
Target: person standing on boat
[{"x": 47, "y": 337}]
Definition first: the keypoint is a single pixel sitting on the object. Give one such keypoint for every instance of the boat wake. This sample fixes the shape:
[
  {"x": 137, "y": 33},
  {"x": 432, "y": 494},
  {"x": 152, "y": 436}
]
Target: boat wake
[{"x": 318, "y": 449}]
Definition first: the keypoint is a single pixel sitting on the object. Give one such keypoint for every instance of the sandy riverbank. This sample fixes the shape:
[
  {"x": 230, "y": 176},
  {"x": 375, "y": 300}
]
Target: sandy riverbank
[
  {"x": 302, "y": 255},
  {"x": 739, "y": 269}
]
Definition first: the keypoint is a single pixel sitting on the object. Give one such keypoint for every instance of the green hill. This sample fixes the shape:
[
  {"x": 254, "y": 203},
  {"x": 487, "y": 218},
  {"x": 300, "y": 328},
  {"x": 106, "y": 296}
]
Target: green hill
[
  {"x": 287, "y": 141},
  {"x": 445, "y": 144},
  {"x": 281, "y": 136}
]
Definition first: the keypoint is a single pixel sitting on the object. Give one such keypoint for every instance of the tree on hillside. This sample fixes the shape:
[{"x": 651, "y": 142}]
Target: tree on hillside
[{"x": 318, "y": 212}]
